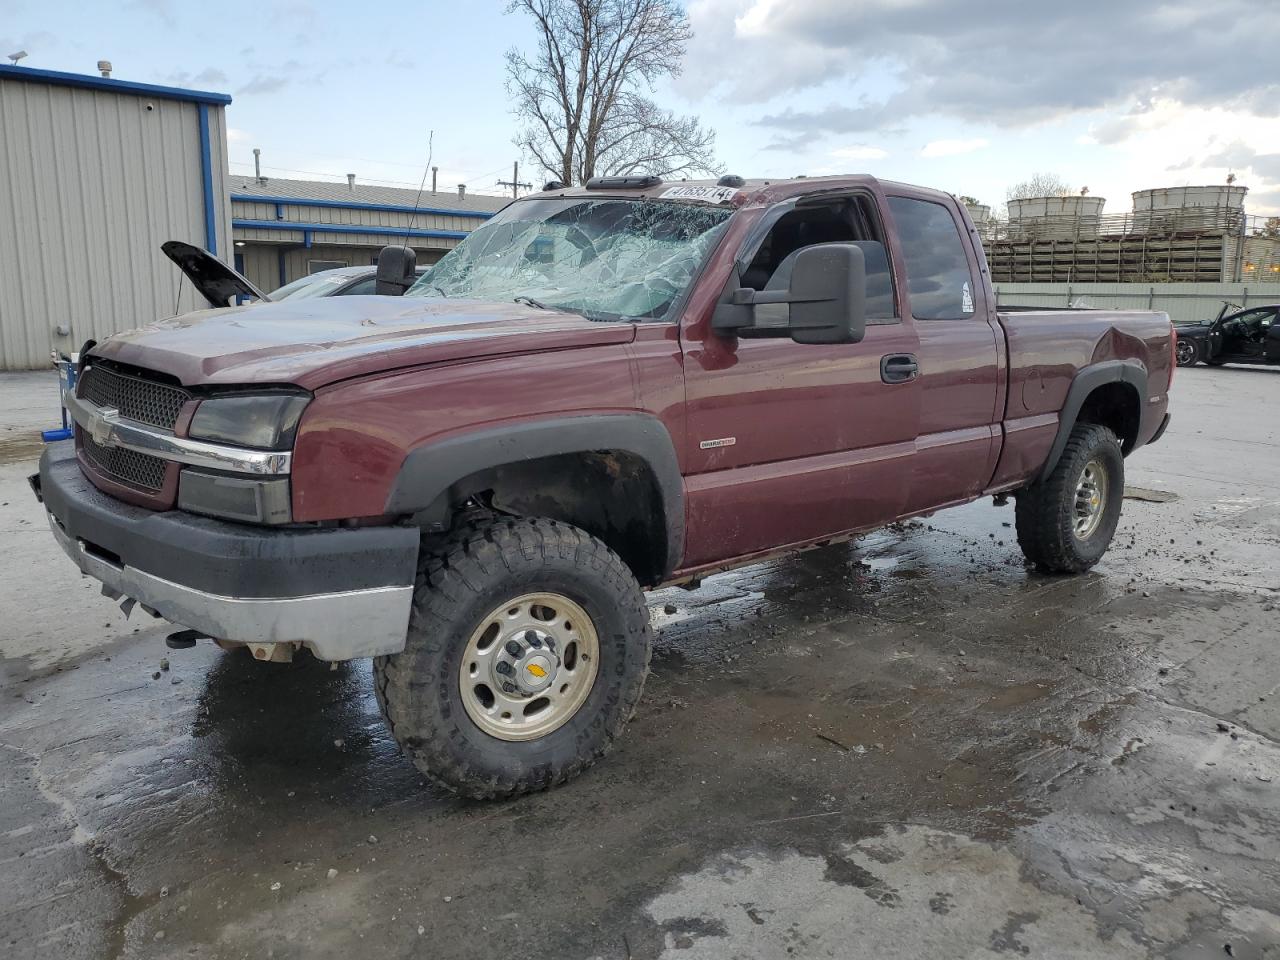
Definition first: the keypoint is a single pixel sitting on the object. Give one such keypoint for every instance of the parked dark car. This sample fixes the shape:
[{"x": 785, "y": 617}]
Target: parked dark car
[{"x": 1245, "y": 336}]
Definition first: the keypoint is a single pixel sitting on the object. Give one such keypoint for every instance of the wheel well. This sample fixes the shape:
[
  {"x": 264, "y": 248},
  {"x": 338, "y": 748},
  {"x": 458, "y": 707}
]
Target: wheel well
[
  {"x": 613, "y": 495},
  {"x": 1117, "y": 406}
]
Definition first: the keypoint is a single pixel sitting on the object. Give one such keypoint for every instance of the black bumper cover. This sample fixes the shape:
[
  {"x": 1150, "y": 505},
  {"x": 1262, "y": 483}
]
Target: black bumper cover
[{"x": 228, "y": 559}]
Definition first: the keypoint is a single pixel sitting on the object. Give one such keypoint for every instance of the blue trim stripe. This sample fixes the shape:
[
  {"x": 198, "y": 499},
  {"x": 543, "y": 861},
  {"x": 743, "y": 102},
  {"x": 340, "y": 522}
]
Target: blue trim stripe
[
  {"x": 351, "y": 205},
  {"x": 59, "y": 79},
  {"x": 206, "y": 175},
  {"x": 310, "y": 228}
]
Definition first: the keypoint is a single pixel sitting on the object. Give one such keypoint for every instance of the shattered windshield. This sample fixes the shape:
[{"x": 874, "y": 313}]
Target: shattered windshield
[{"x": 606, "y": 259}]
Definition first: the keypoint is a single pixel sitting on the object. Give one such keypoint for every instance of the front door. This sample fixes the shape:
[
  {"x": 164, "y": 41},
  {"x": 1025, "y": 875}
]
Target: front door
[
  {"x": 1244, "y": 334},
  {"x": 789, "y": 442}
]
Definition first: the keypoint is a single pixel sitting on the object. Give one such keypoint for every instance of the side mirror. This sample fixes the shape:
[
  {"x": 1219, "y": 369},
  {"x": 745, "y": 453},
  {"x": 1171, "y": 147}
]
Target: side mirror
[
  {"x": 396, "y": 271},
  {"x": 825, "y": 298}
]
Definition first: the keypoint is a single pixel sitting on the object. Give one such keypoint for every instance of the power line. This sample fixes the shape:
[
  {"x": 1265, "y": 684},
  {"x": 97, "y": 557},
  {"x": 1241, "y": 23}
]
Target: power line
[{"x": 514, "y": 183}]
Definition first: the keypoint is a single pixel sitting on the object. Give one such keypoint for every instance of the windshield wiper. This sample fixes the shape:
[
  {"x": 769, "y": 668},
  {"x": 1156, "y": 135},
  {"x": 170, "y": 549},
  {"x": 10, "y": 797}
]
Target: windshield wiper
[{"x": 532, "y": 302}]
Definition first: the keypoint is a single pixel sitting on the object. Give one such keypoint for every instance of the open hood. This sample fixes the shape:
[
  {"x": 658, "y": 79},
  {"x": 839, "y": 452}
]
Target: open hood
[{"x": 212, "y": 278}]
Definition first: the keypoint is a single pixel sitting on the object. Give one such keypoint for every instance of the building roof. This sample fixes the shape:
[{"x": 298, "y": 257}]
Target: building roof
[
  {"x": 88, "y": 82},
  {"x": 324, "y": 191}
]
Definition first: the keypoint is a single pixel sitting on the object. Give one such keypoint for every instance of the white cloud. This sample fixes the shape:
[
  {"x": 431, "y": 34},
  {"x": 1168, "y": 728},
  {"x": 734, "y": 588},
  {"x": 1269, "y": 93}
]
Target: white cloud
[
  {"x": 235, "y": 135},
  {"x": 859, "y": 151},
  {"x": 952, "y": 148}
]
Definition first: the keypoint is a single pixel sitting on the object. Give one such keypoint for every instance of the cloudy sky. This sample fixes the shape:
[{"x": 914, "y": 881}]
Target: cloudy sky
[{"x": 968, "y": 96}]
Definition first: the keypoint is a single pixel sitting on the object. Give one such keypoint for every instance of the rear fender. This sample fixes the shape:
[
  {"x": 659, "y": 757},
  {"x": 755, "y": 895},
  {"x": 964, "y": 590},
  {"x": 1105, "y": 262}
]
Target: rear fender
[{"x": 1129, "y": 372}]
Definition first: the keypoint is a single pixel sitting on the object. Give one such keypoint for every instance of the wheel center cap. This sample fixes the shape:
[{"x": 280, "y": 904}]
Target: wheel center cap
[
  {"x": 537, "y": 671},
  {"x": 527, "y": 664}
]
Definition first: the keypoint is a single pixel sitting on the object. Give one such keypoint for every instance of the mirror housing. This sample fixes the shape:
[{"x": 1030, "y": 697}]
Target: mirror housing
[
  {"x": 825, "y": 300},
  {"x": 397, "y": 271}
]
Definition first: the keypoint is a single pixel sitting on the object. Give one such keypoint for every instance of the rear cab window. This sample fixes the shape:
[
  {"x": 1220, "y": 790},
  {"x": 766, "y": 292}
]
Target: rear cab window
[{"x": 940, "y": 281}]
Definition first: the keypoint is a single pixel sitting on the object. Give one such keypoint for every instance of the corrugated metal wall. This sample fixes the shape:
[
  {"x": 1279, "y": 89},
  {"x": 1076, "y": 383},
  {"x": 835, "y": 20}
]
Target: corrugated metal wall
[
  {"x": 91, "y": 183},
  {"x": 1182, "y": 301}
]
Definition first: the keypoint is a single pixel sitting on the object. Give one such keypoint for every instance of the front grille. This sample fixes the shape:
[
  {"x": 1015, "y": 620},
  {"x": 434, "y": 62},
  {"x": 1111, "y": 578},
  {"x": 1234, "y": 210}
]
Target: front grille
[
  {"x": 138, "y": 470},
  {"x": 137, "y": 399}
]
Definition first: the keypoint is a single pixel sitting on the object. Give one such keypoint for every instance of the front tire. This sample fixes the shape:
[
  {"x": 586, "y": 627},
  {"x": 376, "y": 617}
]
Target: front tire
[
  {"x": 1189, "y": 353},
  {"x": 526, "y": 655},
  {"x": 1065, "y": 522}
]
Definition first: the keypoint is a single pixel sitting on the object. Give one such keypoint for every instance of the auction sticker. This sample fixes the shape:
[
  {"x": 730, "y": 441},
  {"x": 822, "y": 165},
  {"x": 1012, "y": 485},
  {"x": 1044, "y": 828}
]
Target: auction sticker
[{"x": 707, "y": 194}]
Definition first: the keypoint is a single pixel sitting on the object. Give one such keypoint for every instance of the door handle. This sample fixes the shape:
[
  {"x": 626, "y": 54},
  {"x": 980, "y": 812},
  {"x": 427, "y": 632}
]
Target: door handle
[{"x": 899, "y": 368}]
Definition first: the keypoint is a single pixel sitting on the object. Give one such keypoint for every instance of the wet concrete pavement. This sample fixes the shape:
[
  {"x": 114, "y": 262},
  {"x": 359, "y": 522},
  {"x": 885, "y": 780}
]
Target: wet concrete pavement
[{"x": 907, "y": 746}]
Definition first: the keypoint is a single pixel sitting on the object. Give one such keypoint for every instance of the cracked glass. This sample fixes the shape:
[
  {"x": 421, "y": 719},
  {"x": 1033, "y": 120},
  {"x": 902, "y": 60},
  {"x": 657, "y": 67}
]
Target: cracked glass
[{"x": 607, "y": 259}]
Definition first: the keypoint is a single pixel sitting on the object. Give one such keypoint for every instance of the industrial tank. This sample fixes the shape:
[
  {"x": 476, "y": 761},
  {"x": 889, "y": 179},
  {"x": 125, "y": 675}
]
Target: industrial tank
[
  {"x": 1211, "y": 209},
  {"x": 1055, "y": 218}
]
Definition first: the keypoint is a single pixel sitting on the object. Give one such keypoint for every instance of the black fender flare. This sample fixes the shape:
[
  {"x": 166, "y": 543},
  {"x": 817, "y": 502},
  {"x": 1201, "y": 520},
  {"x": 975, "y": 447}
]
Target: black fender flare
[
  {"x": 1085, "y": 382},
  {"x": 429, "y": 471}
]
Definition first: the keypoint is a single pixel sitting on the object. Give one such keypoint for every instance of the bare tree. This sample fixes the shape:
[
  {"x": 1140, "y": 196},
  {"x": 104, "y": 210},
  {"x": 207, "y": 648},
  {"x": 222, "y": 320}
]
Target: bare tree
[
  {"x": 1039, "y": 185},
  {"x": 583, "y": 96}
]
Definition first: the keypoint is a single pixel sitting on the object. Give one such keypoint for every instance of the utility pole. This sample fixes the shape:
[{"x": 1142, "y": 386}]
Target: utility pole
[{"x": 514, "y": 183}]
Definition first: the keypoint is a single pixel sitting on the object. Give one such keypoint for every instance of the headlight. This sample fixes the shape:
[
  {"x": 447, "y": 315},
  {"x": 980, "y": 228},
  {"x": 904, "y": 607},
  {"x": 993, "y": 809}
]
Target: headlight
[{"x": 262, "y": 421}]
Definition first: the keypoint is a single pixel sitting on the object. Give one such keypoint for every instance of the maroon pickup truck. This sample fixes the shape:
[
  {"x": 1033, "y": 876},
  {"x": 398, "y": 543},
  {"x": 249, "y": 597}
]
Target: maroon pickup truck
[{"x": 601, "y": 390}]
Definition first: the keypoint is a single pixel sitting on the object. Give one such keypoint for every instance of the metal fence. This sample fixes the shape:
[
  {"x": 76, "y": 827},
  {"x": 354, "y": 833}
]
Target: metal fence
[{"x": 1182, "y": 301}]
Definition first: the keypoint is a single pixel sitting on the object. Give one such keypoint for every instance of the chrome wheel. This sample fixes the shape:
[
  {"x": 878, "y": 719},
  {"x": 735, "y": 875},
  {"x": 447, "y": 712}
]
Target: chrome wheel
[
  {"x": 1091, "y": 499},
  {"x": 529, "y": 666},
  {"x": 1186, "y": 353}
]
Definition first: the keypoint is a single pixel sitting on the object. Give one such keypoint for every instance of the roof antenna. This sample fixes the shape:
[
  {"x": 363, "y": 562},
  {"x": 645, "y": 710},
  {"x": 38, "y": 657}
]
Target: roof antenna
[{"x": 431, "y": 136}]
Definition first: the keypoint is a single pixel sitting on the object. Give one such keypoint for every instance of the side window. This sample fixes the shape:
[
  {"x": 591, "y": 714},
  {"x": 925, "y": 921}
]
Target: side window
[
  {"x": 938, "y": 279},
  {"x": 844, "y": 221},
  {"x": 363, "y": 288}
]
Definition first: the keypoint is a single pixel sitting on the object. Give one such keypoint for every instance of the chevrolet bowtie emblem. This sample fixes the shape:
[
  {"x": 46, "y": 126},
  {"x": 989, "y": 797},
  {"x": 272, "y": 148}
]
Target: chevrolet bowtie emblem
[
  {"x": 536, "y": 670},
  {"x": 100, "y": 425}
]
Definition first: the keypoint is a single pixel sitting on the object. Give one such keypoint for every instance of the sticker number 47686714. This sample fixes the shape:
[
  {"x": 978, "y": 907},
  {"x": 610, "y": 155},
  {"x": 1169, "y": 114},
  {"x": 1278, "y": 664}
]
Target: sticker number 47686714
[{"x": 709, "y": 194}]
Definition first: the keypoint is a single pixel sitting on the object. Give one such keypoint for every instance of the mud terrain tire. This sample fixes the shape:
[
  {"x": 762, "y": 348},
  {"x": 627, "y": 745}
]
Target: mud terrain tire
[
  {"x": 1060, "y": 528},
  {"x": 461, "y": 581}
]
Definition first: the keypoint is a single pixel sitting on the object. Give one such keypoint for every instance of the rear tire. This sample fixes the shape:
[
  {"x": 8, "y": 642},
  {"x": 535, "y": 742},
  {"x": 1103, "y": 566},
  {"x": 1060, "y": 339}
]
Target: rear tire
[
  {"x": 1065, "y": 522},
  {"x": 1190, "y": 352},
  {"x": 504, "y": 585}
]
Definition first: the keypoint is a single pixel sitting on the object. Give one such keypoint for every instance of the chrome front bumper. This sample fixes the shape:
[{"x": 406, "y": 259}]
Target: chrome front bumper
[
  {"x": 333, "y": 626},
  {"x": 343, "y": 593}
]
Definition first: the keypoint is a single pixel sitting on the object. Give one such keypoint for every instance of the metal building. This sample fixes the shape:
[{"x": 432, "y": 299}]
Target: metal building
[
  {"x": 286, "y": 229},
  {"x": 95, "y": 174}
]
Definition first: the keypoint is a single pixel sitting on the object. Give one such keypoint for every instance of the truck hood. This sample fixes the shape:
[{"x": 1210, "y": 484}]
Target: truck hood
[
  {"x": 314, "y": 342},
  {"x": 212, "y": 278}
]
